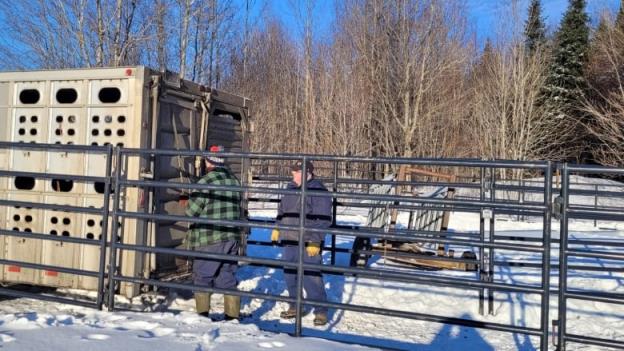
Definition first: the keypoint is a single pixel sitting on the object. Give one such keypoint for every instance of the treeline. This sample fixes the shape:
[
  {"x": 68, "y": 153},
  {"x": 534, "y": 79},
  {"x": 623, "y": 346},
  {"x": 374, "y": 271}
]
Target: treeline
[{"x": 393, "y": 78}]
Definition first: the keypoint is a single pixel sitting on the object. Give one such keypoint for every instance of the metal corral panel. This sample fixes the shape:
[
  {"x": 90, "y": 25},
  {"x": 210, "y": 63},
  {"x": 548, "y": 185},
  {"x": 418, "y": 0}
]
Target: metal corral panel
[
  {"x": 22, "y": 249},
  {"x": 3, "y": 213},
  {"x": 90, "y": 228},
  {"x": 56, "y": 253}
]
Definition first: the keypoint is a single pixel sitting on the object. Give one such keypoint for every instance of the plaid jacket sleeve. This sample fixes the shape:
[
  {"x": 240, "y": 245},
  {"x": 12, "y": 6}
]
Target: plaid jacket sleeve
[{"x": 197, "y": 201}]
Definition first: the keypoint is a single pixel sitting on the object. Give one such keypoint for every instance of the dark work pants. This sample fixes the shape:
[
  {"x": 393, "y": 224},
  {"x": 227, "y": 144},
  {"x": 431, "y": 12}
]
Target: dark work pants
[
  {"x": 312, "y": 281},
  {"x": 216, "y": 274}
]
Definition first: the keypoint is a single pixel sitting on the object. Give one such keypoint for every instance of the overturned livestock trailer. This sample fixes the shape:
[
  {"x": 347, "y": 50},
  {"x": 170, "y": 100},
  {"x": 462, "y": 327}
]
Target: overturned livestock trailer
[{"x": 133, "y": 107}]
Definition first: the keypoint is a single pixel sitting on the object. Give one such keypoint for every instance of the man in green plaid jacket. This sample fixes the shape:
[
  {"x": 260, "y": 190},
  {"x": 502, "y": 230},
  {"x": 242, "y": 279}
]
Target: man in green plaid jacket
[{"x": 213, "y": 238}]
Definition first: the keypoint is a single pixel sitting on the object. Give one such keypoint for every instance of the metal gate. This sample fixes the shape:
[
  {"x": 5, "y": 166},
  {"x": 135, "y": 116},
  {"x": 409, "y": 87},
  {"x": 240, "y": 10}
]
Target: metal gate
[
  {"x": 45, "y": 246},
  {"x": 589, "y": 248},
  {"x": 488, "y": 208}
]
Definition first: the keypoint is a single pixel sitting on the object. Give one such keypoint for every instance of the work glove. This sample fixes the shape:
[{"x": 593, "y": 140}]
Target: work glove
[
  {"x": 313, "y": 249},
  {"x": 275, "y": 235}
]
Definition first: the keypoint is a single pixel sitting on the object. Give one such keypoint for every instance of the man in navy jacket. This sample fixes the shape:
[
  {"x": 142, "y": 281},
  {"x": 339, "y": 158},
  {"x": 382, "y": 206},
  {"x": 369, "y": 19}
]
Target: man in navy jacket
[{"x": 318, "y": 215}]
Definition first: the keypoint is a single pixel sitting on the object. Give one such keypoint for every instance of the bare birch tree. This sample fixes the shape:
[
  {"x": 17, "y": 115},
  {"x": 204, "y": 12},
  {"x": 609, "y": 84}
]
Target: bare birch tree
[{"x": 606, "y": 108}]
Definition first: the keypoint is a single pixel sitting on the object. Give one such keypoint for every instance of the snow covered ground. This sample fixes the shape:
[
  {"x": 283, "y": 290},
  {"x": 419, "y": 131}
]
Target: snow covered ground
[
  {"x": 168, "y": 322},
  {"x": 33, "y": 325}
]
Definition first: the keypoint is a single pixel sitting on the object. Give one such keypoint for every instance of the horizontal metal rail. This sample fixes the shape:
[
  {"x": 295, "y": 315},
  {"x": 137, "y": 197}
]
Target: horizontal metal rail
[
  {"x": 590, "y": 169},
  {"x": 359, "y": 233},
  {"x": 376, "y": 273},
  {"x": 472, "y": 163},
  {"x": 44, "y": 297},
  {"x": 77, "y": 178},
  {"x": 53, "y": 207},
  {"x": 374, "y": 197},
  {"x": 596, "y": 296},
  {"x": 55, "y": 147},
  {"x": 193, "y": 287},
  {"x": 588, "y": 340},
  {"x": 595, "y": 254},
  {"x": 46, "y": 267},
  {"x": 49, "y": 237},
  {"x": 430, "y": 318}
]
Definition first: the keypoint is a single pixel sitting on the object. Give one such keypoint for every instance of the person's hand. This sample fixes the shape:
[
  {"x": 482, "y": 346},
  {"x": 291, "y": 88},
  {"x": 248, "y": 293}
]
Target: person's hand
[
  {"x": 275, "y": 235},
  {"x": 313, "y": 249},
  {"x": 183, "y": 200}
]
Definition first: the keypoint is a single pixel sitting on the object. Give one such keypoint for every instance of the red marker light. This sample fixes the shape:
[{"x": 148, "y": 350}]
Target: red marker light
[{"x": 15, "y": 269}]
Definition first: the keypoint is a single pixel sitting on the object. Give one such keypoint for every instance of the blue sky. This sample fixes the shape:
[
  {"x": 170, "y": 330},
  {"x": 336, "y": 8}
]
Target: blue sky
[{"x": 483, "y": 14}]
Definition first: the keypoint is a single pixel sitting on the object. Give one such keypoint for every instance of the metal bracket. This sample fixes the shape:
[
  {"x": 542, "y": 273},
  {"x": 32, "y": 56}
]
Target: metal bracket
[
  {"x": 557, "y": 207},
  {"x": 487, "y": 213},
  {"x": 172, "y": 79},
  {"x": 147, "y": 175},
  {"x": 555, "y": 327}
]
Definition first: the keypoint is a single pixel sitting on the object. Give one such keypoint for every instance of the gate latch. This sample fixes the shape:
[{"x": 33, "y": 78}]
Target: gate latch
[
  {"x": 555, "y": 330},
  {"x": 557, "y": 208}
]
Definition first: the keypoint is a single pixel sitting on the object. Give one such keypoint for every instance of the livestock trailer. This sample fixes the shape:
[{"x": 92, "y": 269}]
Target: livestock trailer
[{"x": 131, "y": 107}]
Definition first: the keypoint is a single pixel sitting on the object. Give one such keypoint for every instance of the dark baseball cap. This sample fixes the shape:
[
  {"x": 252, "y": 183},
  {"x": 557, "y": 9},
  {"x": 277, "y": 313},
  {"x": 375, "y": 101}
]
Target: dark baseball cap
[{"x": 297, "y": 166}]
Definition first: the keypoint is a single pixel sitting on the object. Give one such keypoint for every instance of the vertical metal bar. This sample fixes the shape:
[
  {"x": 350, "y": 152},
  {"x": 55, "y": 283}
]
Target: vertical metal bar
[
  {"x": 112, "y": 264},
  {"x": 334, "y": 213},
  {"x": 481, "y": 270},
  {"x": 519, "y": 196},
  {"x": 546, "y": 257},
  {"x": 595, "y": 202},
  {"x": 301, "y": 246},
  {"x": 563, "y": 259},
  {"x": 105, "y": 213},
  {"x": 491, "y": 252}
]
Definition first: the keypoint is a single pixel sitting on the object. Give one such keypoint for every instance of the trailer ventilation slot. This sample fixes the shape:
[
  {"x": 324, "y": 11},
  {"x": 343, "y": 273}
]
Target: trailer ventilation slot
[
  {"x": 109, "y": 95},
  {"x": 99, "y": 187},
  {"x": 29, "y": 96},
  {"x": 24, "y": 183},
  {"x": 62, "y": 185},
  {"x": 66, "y": 96}
]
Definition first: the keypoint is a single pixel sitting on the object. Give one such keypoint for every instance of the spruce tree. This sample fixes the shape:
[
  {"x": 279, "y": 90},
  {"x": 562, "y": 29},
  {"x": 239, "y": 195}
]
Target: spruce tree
[
  {"x": 534, "y": 30},
  {"x": 619, "y": 20},
  {"x": 566, "y": 84}
]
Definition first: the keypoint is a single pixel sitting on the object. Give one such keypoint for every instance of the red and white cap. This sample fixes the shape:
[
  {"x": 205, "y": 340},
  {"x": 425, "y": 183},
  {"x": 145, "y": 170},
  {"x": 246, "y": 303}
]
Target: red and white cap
[{"x": 215, "y": 159}]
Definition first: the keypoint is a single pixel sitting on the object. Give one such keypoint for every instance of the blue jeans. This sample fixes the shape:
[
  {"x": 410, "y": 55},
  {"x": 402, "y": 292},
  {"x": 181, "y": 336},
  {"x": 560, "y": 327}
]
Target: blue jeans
[
  {"x": 216, "y": 274},
  {"x": 312, "y": 281}
]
